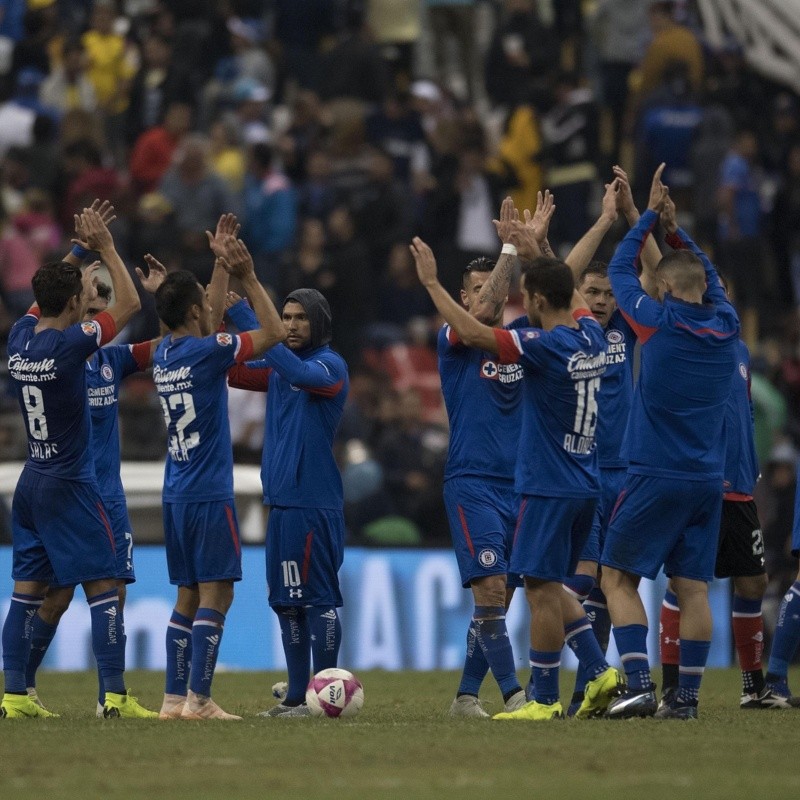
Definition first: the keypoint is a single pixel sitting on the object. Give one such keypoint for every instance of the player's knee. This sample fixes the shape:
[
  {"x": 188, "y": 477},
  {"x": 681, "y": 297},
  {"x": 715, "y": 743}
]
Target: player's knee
[
  {"x": 55, "y": 604},
  {"x": 751, "y": 587},
  {"x": 489, "y": 591},
  {"x": 123, "y": 594}
]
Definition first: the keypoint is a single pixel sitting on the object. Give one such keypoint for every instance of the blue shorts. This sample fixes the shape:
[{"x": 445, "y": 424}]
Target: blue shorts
[
  {"x": 305, "y": 549},
  {"x": 123, "y": 538},
  {"x": 60, "y": 531},
  {"x": 611, "y": 483},
  {"x": 796, "y": 525},
  {"x": 551, "y": 534},
  {"x": 483, "y": 517},
  {"x": 202, "y": 541},
  {"x": 665, "y": 521}
]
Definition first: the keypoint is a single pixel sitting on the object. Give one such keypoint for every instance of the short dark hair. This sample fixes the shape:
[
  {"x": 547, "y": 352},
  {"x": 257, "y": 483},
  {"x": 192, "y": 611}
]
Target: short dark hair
[
  {"x": 684, "y": 269},
  {"x": 480, "y": 264},
  {"x": 551, "y": 278},
  {"x": 53, "y": 285},
  {"x": 103, "y": 291},
  {"x": 179, "y": 292},
  {"x": 599, "y": 268}
]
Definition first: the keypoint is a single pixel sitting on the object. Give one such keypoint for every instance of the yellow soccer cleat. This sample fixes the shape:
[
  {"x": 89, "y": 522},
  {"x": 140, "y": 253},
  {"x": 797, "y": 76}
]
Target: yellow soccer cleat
[
  {"x": 599, "y": 693},
  {"x": 126, "y": 706},
  {"x": 20, "y": 706},
  {"x": 534, "y": 712}
]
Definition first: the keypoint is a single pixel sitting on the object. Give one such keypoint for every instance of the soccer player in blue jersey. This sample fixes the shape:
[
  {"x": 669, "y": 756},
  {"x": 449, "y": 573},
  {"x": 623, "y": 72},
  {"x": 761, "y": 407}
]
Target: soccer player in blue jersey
[
  {"x": 668, "y": 511},
  {"x": 67, "y": 540},
  {"x": 741, "y": 546},
  {"x": 787, "y": 632},
  {"x": 307, "y": 385},
  {"x": 105, "y": 370},
  {"x": 479, "y": 494},
  {"x": 556, "y": 472},
  {"x": 200, "y": 526}
]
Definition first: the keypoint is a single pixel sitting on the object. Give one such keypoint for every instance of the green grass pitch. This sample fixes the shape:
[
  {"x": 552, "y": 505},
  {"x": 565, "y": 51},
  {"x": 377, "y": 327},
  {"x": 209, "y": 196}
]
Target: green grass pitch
[{"x": 402, "y": 745}]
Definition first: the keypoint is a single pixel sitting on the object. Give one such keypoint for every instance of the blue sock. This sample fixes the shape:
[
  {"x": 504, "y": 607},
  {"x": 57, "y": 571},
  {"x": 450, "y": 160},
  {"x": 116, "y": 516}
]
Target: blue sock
[
  {"x": 632, "y": 646},
  {"x": 596, "y": 609},
  {"x": 108, "y": 640},
  {"x": 694, "y": 654},
  {"x": 475, "y": 664},
  {"x": 492, "y": 636},
  {"x": 326, "y": 636},
  {"x": 581, "y": 640},
  {"x": 544, "y": 675},
  {"x": 296, "y": 640},
  {"x": 579, "y": 586},
  {"x": 41, "y": 634},
  {"x": 17, "y": 640},
  {"x": 179, "y": 654},
  {"x": 206, "y": 639},
  {"x": 787, "y": 635}
]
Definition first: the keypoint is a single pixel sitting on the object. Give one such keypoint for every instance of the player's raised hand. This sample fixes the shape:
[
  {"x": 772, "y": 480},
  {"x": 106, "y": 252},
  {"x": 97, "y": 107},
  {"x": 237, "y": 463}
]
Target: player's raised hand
[
  {"x": 425, "y": 261},
  {"x": 625, "y": 202},
  {"x": 107, "y": 213},
  {"x": 95, "y": 230},
  {"x": 227, "y": 226},
  {"x": 540, "y": 221},
  {"x": 523, "y": 237},
  {"x": 668, "y": 216},
  {"x": 508, "y": 214},
  {"x": 658, "y": 191},
  {"x": 231, "y": 299},
  {"x": 156, "y": 274},
  {"x": 609, "y": 204},
  {"x": 236, "y": 260},
  {"x": 89, "y": 283}
]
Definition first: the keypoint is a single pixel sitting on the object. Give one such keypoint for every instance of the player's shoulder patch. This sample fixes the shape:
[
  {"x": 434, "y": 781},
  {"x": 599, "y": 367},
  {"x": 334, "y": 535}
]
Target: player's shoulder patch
[
  {"x": 89, "y": 328},
  {"x": 224, "y": 339},
  {"x": 529, "y": 334}
]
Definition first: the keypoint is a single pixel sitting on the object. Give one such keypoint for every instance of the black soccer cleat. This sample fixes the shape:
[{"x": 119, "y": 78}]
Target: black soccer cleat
[{"x": 633, "y": 703}]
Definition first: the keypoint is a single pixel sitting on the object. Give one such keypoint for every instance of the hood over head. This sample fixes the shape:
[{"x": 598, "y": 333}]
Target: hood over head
[{"x": 319, "y": 314}]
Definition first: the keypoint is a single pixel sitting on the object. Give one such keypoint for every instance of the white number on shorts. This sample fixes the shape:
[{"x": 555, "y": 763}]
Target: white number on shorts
[
  {"x": 129, "y": 539},
  {"x": 586, "y": 412},
  {"x": 758, "y": 543},
  {"x": 181, "y": 442},
  {"x": 291, "y": 574},
  {"x": 34, "y": 407}
]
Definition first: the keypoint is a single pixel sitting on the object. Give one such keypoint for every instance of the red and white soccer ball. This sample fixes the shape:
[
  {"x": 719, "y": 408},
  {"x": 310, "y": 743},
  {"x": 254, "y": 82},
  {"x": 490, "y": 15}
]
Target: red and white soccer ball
[{"x": 334, "y": 693}]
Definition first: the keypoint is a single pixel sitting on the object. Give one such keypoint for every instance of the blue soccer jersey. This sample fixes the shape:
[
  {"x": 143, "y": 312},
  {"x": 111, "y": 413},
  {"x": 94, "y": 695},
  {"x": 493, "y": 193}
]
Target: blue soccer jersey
[
  {"x": 105, "y": 370},
  {"x": 741, "y": 462},
  {"x": 47, "y": 369},
  {"x": 675, "y": 429},
  {"x": 483, "y": 398},
  {"x": 557, "y": 456},
  {"x": 616, "y": 392},
  {"x": 190, "y": 378}
]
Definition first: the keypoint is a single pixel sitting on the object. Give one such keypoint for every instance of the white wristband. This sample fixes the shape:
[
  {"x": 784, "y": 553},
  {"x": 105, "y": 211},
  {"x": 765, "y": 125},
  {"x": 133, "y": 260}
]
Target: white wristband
[{"x": 509, "y": 250}]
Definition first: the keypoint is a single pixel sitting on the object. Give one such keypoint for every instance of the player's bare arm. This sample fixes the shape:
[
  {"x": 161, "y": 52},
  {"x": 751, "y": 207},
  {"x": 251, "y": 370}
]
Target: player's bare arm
[
  {"x": 651, "y": 254},
  {"x": 495, "y": 291},
  {"x": 583, "y": 251},
  {"x": 239, "y": 263},
  {"x": 469, "y": 330},
  {"x": 227, "y": 229},
  {"x": 98, "y": 237},
  {"x": 156, "y": 275},
  {"x": 89, "y": 286}
]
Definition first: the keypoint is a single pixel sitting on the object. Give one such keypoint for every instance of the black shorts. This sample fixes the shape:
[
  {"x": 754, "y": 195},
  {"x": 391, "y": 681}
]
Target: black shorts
[{"x": 741, "y": 545}]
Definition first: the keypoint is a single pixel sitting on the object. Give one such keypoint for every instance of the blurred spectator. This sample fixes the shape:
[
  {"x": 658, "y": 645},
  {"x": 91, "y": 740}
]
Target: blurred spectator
[
  {"x": 316, "y": 196},
  {"x": 569, "y": 149},
  {"x": 68, "y": 86},
  {"x": 18, "y": 263},
  {"x": 302, "y": 135},
  {"x": 246, "y": 412},
  {"x": 87, "y": 179},
  {"x": 36, "y": 223},
  {"x": 453, "y": 24},
  {"x": 522, "y": 58},
  {"x": 227, "y": 155},
  {"x": 12, "y": 14},
  {"x": 198, "y": 197},
  {"x": 401, "y": 297},
  {"x": 396, "y": 27},
  {"x": 250, "y": 110},
  {"x": 783, "y": 132},
  {"x": 300, "y": 26},
  {"x": 159, "y": 82},
  {"x": 16, "y": 122},
  {"x": 152, "y": 154},
  {"x": 307, "y": 265},
  {"x": 786, "y": 231},
  {"x": 769, "y": 414},
  {"x": 740, "y": 220},
  {"x": 350, "y": 156},
  {"x": 269, "y": 213}
]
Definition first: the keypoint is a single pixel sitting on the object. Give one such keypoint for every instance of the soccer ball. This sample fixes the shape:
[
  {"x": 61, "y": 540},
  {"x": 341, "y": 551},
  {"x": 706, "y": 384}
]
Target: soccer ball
[{"x": 334, "y": 693}]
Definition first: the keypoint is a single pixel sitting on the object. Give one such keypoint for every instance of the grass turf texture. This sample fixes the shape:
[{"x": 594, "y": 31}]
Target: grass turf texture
[{"x": 402, "y": 745}]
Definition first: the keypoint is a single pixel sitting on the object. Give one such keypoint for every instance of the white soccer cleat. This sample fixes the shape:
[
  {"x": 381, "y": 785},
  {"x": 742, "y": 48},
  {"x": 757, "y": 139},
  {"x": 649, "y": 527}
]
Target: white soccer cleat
[
  {"x": 198, "y": 707},
  {"x": 172, "y": 707},
  {"x": 467, "y": 705},
  {"x": 280, "y": 690}
]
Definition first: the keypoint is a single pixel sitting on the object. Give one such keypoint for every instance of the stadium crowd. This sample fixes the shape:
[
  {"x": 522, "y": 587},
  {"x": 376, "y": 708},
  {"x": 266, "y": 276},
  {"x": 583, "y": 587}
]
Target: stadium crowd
[{"x": 336, "y": 130}]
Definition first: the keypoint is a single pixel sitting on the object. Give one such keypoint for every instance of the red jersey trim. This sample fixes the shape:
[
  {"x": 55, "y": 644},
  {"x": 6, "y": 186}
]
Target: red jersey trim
[
  {"x": 643, "y": 332},
  {"x": 580, "y": 313},
  {"x": 508, "y": 348},
  {"x": 108, "y": 328},
  {"x": 245, "y": 350},
  {"x": 141, "y": 354},
  {"x": 254, "y": 380},
  {"x": 737, "y": 497},
  {"x": 325, "y": 391},
  {"x": 675, "y": 241}
]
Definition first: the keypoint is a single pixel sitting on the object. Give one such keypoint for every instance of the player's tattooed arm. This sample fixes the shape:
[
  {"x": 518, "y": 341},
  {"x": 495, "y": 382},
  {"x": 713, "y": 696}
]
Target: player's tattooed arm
[
  {"x": 495, "y": 291},
  {"x": 469, "y": 330}
]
